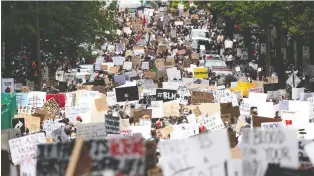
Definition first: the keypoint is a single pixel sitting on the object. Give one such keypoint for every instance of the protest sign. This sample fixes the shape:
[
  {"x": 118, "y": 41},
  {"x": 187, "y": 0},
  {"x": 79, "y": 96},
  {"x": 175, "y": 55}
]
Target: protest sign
[
  {"x": 114, "y": 70},
  {"x": 91, "y": 130},
  {"x": 49, "y": 126},
  {"x": 227, "y": 108},
  {"x": 145, "y": 65},
  {"x": 257, "y": 120},
  {"x": 257, "y": 90},
  {"x": 84, "y": 97},
  {"x": 305, "y": 162},
  {"x": 19, "y": 123},
  {"x": 101, "y": 104},
  {"x": 171, "y": 109},
  {"x": 59, "y": 98},
  {"x": 201, "y": 97},
  {"x": 150, "y": 75},
  {"x": 245, "y": 109},
  {"x": 136, "y": 60},
  {"x": 184, "y": 131},
  {"x": 272, "y": 125},
  {"x": 36, "y": 99},
  {"x": 166, "y": 94},
  {"x": 259, "y": 148},
  {"x": 72, "y": 112},
  {"x": 24, "y": 148},
  {"x": 32, "y": 123},
  {"x": 195, "y": 56},
  {"x": 129, "y": 93},
  {"x": 200, "y": 72},
  {"x": 209, "y": 150},
  {"x": 141, "y": 114},
  {"x": 112, "y": 124},
  {"x": 120, "y": 79},
  {"x": 118, "y": 60},
  {"x": 127, "y": 65},
  {"x": 7, "y": 85},
  {"x": 213, "y": 123}
]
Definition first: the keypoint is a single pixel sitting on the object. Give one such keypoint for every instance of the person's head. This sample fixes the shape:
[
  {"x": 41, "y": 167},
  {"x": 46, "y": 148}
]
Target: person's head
[
  {"x": 79, "y": 118},
  {"x": 65, "y": 121}
]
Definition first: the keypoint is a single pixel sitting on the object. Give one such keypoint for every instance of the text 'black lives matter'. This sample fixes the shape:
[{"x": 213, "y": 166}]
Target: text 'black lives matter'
[{"x": 166, "y": 94}]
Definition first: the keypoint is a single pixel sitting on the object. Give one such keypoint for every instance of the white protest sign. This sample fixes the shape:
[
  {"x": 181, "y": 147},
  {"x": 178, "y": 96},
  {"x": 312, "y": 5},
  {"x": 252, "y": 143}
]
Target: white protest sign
[
  {"x": 311, "y": 99},
  {"x": 191, "y": 118},
  {"x": 73, "y": 111},
  {"x": 145, "y": 122},
  {"x": 259, "y": 148},
  {"x": 36, "y": 99},
  {"x": 145, "y": 65},
  {"x": 111, "y": 99},
  {"x": 210, "y": 153},
  {"x": 98, "y": 62},
  {"x": 245, "y": 109},
  {"x": 296, "y": 93},
  {"x": 305, "y": 162},
  {"x": 127, "y": 65},
  {"x": 118, "y": 60},
  {"x": 304, "y": 109},
  {"x": 173, "y": 74},
  {"x": 272, "y": 125},
  {"x": 266, "y": 109},
  {"x": 256, "y": 98},
  {"x": 213, "y": 123},
  {"x": 184, "y": 131},
  {"x": 91, "y": 130},
  {"x": 84, "y": 97},
  {"x": 157, "y": 109},
  {"x": 28, "y": 168},
  {"x": 49, "y": 126},
  {"x": 25, "y": 148}
]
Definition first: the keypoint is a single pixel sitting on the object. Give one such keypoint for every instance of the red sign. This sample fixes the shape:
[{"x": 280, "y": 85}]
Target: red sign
[{"x": 59, "y": 98}]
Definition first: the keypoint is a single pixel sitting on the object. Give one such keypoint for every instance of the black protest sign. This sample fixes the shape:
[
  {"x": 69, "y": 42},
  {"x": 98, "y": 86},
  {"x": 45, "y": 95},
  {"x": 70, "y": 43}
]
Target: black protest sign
[
  {"x": 112, "y": 124},
  {"x": 127, "y": 93},
  {"x": 166, "y": 94},
  {"x": 53, "y": 159},
  {"x": 19, "y": 123}
]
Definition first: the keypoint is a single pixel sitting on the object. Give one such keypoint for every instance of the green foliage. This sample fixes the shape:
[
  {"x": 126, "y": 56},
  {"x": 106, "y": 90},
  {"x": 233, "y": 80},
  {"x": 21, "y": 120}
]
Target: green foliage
[
  {"x": 297, "y": 16},
  {"x": 174, "y": 4},
  {"x": 64, "y": 25}
]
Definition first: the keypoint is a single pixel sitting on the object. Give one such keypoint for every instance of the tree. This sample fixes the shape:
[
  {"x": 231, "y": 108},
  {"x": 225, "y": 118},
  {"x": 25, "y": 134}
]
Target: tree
[{"x": 63, "y": 26}]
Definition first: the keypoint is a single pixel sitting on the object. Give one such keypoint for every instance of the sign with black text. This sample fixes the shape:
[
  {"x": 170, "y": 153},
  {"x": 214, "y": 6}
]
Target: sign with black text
[
  {"x": 166, "y": 94},
  {"x": 127, "y": 93},
  {"x": 112, "y": 124}
]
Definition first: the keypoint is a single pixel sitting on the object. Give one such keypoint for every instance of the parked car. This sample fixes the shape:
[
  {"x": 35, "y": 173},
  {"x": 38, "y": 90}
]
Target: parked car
[{"x": 220, "y": 68}]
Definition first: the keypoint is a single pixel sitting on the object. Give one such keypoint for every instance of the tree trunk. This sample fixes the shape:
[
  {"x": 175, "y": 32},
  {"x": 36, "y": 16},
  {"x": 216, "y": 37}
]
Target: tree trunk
[
  {"x": 268, "y": 48},
  {"x": 39, "y": 70},
  {"x": 279, "y": 59}
]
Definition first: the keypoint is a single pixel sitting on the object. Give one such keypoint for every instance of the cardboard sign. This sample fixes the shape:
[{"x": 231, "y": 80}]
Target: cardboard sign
[
  {"x": 195, "y": 17},
  {"x": 32, "y": 123},
  {"x": 205, "y": 147},
  {"x": 200, "y": 72},
  {"x": 159, "y": 63},
  {"x": 136, "y": 60},
  {"x": 150, "y": 75},
  {"x": 141, "y": 114},
  {"x": 171, "y": 109},
  {"x": 52, "y": 106},
  {"x": 91, "y": 130},
  {"x": 258, "y": 145},
  {"x": 257, "y": 90},
  {"x": 195, "y": 56},
  {"x": 20, "y": 147},
  {"x": 114, "y": 70},
  {"x": 202, "y": 97},
  {"x": 101, "y": 104},
  {"x": 112, "y": 124},
  {"x": 25, "y": 89},
  {"x": 227, "y": 108},
  {"x": 257, "y": 120},
  {"x": 272, "y": 125},
  {"x": 100, "y": 89}
]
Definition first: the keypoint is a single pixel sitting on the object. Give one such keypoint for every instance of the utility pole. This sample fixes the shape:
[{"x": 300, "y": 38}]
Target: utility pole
[{"x": 38, "y": 48}]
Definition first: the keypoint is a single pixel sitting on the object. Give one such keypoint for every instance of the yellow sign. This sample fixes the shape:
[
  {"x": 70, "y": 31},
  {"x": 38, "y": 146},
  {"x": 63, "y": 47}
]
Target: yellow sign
[
  {"x": 244, "y": 88},
  {"x": 200, "y": 72}
]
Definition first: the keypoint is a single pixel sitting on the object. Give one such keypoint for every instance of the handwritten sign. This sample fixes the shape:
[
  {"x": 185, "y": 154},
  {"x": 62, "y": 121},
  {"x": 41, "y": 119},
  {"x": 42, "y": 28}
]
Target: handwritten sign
[
  {"x": 272, "y": 125},
  {"x": 257, "y": 90},
  {"x": 210, "y": 153},
  {"x": 127, "y": 65},
  {"x": 91, "y": 130},
  {"x": 112, "y": 124},
  {"x": 213, "y": 123},
  {"x": 202, "y": 97},
  {"x": 25, "y": 148},
  {"x": 258, "y": 148},
  {"x": 52, "y": 106},
  {"x": 184, "y": 131},
  {"x": 49, "y": 126},
  {"x": 200, "y": 72}
]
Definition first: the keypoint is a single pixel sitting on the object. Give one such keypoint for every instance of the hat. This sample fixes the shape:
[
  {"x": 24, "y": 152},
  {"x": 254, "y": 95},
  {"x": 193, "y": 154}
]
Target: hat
[
  {"x": 78, "y": 118},
  {"x": 65, "y": 120}
]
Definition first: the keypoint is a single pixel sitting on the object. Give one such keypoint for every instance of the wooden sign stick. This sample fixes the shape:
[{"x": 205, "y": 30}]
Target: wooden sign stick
[{"x": 75, "y": 156}]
